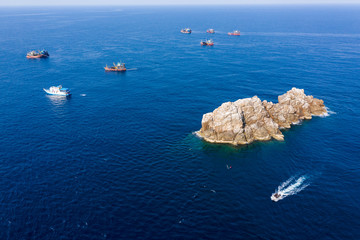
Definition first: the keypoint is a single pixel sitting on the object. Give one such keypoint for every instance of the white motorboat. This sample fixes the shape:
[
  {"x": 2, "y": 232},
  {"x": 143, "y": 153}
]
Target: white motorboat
[
  {"x": 276, "y": 197},
  {"x": 58, "y": 90}
]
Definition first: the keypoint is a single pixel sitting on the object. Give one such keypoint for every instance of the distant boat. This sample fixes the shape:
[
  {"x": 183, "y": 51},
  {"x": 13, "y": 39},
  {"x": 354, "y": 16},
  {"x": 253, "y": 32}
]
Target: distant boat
[
  {"x": 58, "y": 90},
  {"x": 276, "y": 197},
  {"x": 37, "y": 54},
  {"x": 234, "y": 33},
  {"x": 207, "y": 43},
  {"x": 120, "y": 67},
  {"x": 212, "y": 31},
  {"x": 186, "y": 30}
]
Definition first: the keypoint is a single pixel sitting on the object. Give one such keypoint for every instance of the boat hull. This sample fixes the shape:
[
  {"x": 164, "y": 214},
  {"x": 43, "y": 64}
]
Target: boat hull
[
  {"x": 207, "y": 44},
  {"x": 114, "y": 70},
  {"x": 37, "y": 56},
  {"x": 234, "y": 34}
]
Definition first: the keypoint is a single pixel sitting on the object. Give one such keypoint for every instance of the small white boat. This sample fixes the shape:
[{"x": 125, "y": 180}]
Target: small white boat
[
  {"x": 59, "y": 90},
  {"x": 276, "y": 197}
]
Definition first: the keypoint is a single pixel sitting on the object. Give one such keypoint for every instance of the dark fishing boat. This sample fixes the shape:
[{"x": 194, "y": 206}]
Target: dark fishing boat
[
  {"x": 234, "y": 33},
  {"x": 186, "y": 30},
  {"x": 37, "y": 54},
  {"x": 120, "y": 67},
  {"x": 209, "y": 42}
]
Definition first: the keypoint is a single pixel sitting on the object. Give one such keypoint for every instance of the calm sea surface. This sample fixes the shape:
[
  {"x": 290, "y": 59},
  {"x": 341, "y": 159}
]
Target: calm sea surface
[{"x": 119, "y": 160}]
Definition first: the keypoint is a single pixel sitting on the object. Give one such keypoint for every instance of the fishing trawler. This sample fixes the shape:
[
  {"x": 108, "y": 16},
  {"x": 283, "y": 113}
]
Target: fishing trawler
[
  {"x": 37, "y": 54},
  {"x": 234, "y": 33},
  {"x": 58, "y": 90},
  {"x": 212, "y": 31},
  {"x": 186, "y": 30},
  {"x": 119, "y": 67},
  {"x": 209, "y": 42}
]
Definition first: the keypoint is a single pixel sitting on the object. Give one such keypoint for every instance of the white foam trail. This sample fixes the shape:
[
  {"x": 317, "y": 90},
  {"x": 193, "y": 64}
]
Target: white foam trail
[
  {"x": 290, "y": 187},
  {"x": 284, "y": 184},
  {"x": 131, "y": 69},
  {"x": 196, "y": 133},
  {"x": 328, "y": 113},
  {"x": 83, "y": 95},
  {"x": 299, "y": 122},
  {"x": 323, "y": 115}
]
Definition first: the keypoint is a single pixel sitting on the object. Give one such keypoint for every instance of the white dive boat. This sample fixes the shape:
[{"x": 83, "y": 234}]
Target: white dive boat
[
  {"x": 276, "y": 196},
  {"x": 59, "y": 90}
]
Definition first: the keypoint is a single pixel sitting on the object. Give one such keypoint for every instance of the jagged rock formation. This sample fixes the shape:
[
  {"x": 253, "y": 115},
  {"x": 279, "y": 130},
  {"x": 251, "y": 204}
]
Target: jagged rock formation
[{"x": 249, "y": 119}]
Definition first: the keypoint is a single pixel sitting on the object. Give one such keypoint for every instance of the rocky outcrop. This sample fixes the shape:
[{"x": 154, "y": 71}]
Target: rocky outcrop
[{"x": 248, "y": 120}]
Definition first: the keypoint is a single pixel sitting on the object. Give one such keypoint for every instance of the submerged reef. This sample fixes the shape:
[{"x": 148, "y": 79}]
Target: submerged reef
[{"x": 250, "y": 119}]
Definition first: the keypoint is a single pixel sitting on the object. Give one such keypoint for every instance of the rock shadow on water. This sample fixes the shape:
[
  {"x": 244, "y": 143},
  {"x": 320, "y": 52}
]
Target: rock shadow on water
[{"x": 198, "y": 143}]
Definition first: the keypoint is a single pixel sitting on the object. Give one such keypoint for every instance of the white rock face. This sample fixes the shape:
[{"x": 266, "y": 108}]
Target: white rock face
[{"x": 248, "y": 120}]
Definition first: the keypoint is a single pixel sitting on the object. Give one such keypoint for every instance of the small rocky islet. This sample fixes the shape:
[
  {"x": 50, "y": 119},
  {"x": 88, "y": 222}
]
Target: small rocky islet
[{"x": 250, "y": 119}]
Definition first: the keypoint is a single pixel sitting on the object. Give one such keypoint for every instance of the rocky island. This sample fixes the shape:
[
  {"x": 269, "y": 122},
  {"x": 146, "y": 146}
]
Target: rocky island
[{"x": 250, "y": 119}]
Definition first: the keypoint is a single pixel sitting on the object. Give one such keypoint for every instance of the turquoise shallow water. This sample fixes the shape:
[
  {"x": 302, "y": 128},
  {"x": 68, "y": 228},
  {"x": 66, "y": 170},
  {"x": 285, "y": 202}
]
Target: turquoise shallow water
[{"x": 118, "y": 159}]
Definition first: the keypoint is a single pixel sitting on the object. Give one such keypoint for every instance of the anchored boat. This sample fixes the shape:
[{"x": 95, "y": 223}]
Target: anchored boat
[
  {"x": 58, "y": 90},
  {"x": 37, "y": 54},
  {"x": 120, "y": 67},
  {"x": 234, "y": 33},
  {"x": 186, "y": 30},
  {"x": 207, "y": 43},
  {"x": 212, "y": 31}
]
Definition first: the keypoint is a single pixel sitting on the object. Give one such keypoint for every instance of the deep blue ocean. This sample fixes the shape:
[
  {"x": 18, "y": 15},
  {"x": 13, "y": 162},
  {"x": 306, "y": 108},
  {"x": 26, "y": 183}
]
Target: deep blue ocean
[{"x": 119, "y": 160}]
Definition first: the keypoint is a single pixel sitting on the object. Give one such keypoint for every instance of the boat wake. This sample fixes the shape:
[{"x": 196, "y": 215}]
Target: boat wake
[
  {"x": 328, "y": 113},
  {"x": 131, "y": 69},
  {"x": 290, "y": 187},
  {"x": 299, "y": 122}
]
